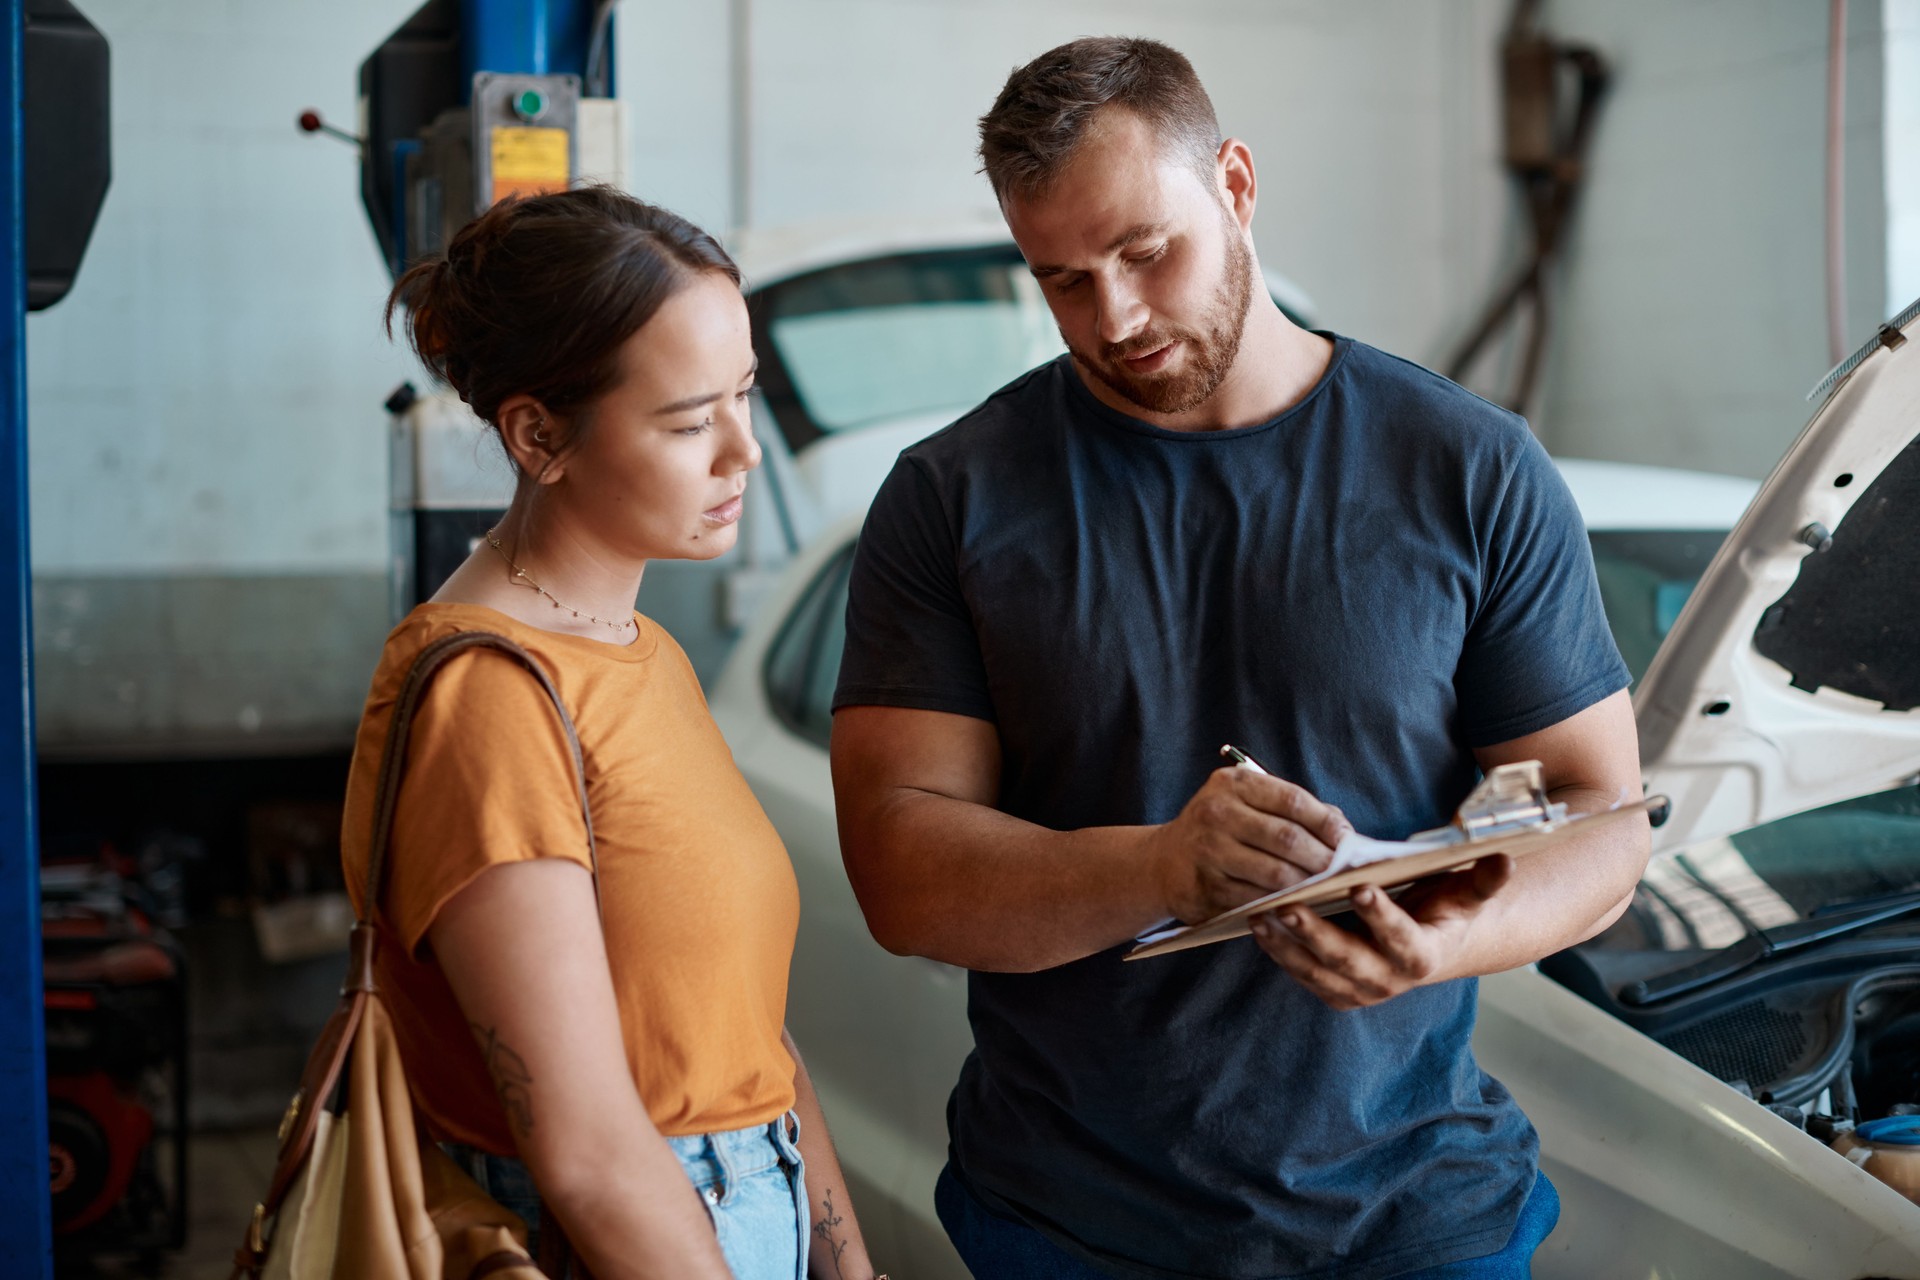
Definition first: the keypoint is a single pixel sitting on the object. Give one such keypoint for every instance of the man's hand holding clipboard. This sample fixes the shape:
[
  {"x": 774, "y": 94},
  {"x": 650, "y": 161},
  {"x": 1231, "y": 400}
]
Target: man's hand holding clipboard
[{"x": 1508, "y": 816}]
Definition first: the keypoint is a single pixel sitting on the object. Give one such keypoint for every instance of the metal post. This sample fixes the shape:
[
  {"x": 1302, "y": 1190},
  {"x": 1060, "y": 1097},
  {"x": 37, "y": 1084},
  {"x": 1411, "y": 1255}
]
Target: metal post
[
  {"x": 26, "y": 1212},
  {"x": 524, "y": 37}
]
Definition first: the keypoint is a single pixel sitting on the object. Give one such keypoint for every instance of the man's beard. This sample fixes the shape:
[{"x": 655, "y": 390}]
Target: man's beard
[{"x": 1210, "y": 353}]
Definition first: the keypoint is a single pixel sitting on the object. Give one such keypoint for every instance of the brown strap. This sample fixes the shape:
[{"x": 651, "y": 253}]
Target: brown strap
[
  {"x": 412, "y": 689},
  {"x": 317, "y": 1083},
  {"x": 317, "y": 1086},
  {"x": 328, "y": 1058},
  {"x": 393, "y": 762}
]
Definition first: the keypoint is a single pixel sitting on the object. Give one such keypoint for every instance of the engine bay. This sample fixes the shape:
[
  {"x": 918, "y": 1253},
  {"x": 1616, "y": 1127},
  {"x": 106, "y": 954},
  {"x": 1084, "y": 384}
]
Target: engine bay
[{"x": 1826, "y": 1040}]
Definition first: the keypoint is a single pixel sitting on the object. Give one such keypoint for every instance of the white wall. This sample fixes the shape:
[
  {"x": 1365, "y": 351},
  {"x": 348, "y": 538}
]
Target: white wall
[
  {"x": 208, "y": 396},
  {"x": 1693, "y": 322},
  {"x": 1690, "y": 312},
  {"x": 863, "y": 107},
  {"x": 207, "y": 399},
  {"x": 673, "y": 63},
  {"x": 1902, "y": 151}
]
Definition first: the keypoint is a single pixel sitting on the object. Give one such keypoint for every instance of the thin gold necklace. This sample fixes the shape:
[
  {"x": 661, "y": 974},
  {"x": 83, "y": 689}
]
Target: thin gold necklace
[{"x": 618, "y": 625}]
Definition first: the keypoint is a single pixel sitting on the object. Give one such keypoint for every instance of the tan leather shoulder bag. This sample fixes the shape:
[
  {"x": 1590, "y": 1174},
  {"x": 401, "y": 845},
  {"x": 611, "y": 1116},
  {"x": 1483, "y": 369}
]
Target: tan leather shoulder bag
[{"x": 357, "y": 1191}]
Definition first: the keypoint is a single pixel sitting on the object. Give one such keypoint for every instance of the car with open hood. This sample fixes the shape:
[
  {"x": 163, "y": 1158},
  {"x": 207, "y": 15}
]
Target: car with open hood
[{"x": 1694, "y": 1068}]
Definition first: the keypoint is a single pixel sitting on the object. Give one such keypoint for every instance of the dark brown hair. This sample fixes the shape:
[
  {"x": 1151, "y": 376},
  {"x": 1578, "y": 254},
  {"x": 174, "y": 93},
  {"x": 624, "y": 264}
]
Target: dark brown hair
[
  {"x": 1043, "y": 114},
  {"x": 535, "y": 296}
]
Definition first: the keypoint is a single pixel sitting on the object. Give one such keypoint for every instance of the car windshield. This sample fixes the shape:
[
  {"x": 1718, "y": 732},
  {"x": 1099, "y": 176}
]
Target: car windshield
[
  {"x": 913, "y": 335},
  {"x": 1711, "y": 895},
  {"x": 923, "y": 335}
]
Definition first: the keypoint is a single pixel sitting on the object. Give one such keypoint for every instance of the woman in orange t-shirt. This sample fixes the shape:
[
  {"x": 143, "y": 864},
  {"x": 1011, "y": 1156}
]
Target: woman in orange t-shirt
[{"x": 623, "y": 1060}]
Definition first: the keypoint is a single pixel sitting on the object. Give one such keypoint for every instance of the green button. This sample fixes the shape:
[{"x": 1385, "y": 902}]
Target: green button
[{"x": 530, "y": 104}]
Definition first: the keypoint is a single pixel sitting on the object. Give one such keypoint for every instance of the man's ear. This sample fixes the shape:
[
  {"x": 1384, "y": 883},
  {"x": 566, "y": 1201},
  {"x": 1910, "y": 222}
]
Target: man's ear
[
  {"x": 531, "y": 437},
  {"x": 1233, "y": 174}
]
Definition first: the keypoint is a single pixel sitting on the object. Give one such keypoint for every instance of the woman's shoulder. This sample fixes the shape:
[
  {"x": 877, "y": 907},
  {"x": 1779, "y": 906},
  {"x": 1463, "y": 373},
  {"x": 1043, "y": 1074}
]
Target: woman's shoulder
[{"x": 483, "y": 726}]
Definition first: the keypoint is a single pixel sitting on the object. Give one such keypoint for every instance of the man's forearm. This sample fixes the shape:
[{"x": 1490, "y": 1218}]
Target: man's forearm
[
  {"x": 1557, "y": 899},
  {"x": 991, "y": 892}
]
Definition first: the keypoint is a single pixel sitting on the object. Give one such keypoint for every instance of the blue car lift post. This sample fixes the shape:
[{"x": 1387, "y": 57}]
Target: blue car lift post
[
  {"x": 537, "y": 36},
  {"x": 528, "y": 37},
  {"x": 26, "y": 1211}
]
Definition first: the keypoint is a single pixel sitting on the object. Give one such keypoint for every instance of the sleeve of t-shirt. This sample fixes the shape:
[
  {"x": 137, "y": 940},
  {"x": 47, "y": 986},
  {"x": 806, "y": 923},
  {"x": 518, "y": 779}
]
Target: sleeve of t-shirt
[
  {"x": 489, "y": 780},
  {"x": 911, "y": 640},
  {"x": 1538, "y": 648}
]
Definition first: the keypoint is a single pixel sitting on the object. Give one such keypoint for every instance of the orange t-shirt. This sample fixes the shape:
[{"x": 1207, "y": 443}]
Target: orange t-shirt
[{"x": 697, "y": 897}]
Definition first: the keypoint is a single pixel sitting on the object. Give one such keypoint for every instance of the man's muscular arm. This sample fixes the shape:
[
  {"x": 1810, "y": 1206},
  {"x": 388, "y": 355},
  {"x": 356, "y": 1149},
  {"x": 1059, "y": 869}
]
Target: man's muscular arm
[
  {"x": 941, "y": 873},
  {"x": 1498, "y": 914}
]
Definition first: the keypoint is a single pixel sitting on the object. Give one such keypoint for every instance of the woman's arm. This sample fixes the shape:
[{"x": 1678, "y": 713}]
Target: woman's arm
[
  {"x": 522, "y": 949},
  {"x": 838, "y": 1252}
]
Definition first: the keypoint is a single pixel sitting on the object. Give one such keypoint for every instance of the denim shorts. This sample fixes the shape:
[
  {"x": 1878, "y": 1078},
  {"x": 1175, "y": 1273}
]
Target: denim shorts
[{"x": 752, "y": 1181}]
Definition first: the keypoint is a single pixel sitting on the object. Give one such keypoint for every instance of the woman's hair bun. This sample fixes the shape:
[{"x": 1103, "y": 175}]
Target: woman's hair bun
[{"x": 537, "y": 295}]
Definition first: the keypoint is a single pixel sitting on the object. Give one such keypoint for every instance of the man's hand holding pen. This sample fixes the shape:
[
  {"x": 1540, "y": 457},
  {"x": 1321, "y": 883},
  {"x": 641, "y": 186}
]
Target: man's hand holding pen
[
  {"x": 1243, "y": 835},
  {"x": 1246, "y": 834}
]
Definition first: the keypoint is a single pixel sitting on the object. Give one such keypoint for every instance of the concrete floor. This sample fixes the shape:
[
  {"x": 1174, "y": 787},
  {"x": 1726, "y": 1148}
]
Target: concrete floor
[{"x": 227, "y": 1174}]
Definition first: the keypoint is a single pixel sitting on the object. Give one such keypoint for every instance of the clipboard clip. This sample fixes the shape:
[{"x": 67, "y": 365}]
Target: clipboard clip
[{"x": 1512, "y": 797}]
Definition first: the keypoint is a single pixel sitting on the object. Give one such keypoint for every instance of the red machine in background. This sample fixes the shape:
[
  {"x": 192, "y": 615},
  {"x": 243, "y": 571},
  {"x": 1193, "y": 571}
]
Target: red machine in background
[{"x": 116, "y": 1029}]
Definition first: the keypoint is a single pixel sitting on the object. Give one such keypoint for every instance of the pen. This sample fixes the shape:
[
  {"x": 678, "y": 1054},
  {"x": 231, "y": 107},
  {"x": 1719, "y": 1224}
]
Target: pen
[{"x": 1241, "y": 758}]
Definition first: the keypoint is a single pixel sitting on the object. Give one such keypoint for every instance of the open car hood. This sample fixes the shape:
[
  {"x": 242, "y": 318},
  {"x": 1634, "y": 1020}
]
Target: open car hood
[{"x": 1791, "y": 679}]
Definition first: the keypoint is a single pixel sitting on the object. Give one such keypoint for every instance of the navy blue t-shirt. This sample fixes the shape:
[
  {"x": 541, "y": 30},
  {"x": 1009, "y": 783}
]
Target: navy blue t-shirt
[{"x": 1357, "y": 593}]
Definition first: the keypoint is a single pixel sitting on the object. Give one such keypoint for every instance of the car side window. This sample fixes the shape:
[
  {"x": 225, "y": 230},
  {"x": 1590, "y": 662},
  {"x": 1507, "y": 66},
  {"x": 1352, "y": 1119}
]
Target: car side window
[{"x": 803, "y": 664}]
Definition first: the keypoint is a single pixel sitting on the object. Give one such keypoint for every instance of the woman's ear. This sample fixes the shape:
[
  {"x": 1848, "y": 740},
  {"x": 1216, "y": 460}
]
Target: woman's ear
[{"x": 532, "y": 438}]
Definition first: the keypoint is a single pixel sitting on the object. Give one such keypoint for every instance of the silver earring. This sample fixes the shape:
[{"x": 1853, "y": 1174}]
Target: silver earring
[{"x": 540, "y": 431}]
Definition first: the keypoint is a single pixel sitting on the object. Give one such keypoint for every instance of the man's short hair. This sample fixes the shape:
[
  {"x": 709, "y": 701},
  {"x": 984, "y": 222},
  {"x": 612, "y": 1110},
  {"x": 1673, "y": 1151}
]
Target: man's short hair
[{"x": 1048, "y": 107}]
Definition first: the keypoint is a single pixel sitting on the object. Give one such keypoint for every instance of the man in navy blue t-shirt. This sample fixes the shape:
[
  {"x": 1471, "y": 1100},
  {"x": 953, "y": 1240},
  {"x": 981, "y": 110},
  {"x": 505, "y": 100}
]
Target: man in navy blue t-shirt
[{"x": 1206, "y": 525}]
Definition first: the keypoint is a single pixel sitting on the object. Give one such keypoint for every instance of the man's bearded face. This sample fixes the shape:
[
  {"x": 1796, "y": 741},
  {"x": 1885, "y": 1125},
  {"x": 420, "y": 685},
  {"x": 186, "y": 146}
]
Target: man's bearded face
[{"x": 1209, "y": 351}]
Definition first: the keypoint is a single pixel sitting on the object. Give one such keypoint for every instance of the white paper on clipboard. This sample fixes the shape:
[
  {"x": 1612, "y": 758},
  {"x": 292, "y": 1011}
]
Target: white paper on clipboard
[{"x": 1508, "y": 812}]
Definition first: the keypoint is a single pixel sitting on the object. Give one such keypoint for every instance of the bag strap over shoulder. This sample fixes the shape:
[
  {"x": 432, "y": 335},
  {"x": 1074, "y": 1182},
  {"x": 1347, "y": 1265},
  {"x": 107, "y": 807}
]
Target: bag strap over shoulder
[
  {"x": 328, "y": 1059},
  {"x": 393, "y": 761}
]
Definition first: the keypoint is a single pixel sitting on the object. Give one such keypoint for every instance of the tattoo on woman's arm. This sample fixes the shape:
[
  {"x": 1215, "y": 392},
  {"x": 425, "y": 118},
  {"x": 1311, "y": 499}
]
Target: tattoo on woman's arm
[
  {"x": 510, "y": 1077},
  {"x": 825, "y": 1230}
]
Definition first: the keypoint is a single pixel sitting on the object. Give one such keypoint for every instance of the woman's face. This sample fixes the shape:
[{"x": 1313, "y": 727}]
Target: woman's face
[{"x": 663, "y": 463}]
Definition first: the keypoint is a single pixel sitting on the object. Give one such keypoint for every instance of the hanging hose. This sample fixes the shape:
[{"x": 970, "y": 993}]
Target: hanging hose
[
  {"x": 1836, "y": 181},
  {"x": 1546, "y": 150}
]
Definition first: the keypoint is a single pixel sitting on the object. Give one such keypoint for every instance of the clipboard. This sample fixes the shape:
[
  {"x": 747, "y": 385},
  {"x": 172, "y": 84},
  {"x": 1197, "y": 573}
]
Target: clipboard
[{"x": 1507, "y": 813}]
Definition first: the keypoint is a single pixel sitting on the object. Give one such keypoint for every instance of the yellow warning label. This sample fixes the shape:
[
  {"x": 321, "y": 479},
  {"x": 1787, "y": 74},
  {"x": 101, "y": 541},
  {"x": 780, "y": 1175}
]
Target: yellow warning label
[{"x": 527, "y": 161}]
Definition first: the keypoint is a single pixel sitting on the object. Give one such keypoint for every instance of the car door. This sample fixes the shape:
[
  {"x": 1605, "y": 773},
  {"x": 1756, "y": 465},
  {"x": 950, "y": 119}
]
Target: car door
[{"x": 883, "y": 1035}]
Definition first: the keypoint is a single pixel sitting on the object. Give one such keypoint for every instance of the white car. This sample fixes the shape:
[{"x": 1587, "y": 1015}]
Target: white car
[{"x": 1689, "y": 1068}]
